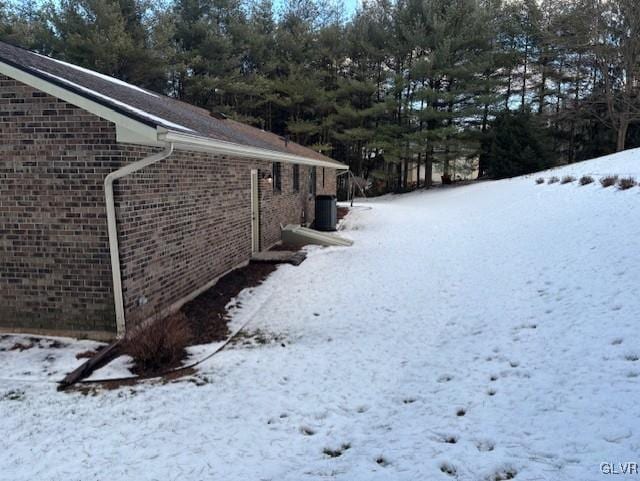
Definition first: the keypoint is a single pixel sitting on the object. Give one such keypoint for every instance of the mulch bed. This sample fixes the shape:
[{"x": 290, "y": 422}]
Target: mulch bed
[
  {"x": 342, "y": 212},
  {"x": 207, "y": 319},
  {"x": 207, "y": 313}
]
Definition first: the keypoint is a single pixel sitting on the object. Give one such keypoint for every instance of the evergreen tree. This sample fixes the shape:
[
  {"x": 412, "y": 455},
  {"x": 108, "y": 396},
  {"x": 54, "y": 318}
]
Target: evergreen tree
[
  {"x": 209, "y": 36},
  {"x": 23, "y": 24},
  {"x": 110, "y": 36},
  {"x": 516, "y": 145}
]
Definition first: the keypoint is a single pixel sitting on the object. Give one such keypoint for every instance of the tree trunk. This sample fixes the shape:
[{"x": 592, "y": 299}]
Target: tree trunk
[
  {"x": 508, "y": 94},
  {"x": 482, "y": 167},
  {"x": 428, "y": 170},
  {"x": 622, "y": 135},
  {"x": 524, "y": 73},
  {"x": 405, "y": 175},
  {"x": 446, "y": 163},
  {"x": 509, "y": 81},
  {"x": 543, "y": 82}
]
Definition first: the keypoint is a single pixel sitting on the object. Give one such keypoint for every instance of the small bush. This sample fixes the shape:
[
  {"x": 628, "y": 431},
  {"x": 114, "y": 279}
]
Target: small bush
[
  {"x": 539, "y": 180},
  {"x": 553, "y": 180},
  {"x": 586, "y": 179},
  {"x": 159, "y": 346},
  {"x": 626, "y": 183},
  {"x": 567, "y": 179},
  {"x": 609, "y": 180}
]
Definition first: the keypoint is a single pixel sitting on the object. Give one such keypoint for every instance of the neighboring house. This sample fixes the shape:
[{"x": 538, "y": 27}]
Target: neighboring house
[{"x": 118, "y": 205}]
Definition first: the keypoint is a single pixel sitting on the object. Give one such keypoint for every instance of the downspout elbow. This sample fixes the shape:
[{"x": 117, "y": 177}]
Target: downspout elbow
[{"x": 112, "y": 228}]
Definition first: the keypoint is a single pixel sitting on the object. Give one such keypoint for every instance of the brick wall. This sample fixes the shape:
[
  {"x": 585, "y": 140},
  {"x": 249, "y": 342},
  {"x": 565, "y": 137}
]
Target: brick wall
[
  {"x": 54, "y": 258},
  {"x": 187, "y": 219},
  {"x": 182, "y": 222},
  {"x": 286, "y": 206}
]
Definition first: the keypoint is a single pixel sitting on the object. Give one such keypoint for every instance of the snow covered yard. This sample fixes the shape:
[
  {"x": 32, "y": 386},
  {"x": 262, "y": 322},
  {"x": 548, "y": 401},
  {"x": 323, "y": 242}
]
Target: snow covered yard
[{"x": 481, "y": 332}]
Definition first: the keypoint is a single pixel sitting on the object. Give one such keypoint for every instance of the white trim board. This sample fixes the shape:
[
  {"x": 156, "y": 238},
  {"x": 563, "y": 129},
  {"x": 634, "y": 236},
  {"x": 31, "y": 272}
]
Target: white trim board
[
  {"x": 197, "y": 143},
  {"x": 145, "y": 132}
]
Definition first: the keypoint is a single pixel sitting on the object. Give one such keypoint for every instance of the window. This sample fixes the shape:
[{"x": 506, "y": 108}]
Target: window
[
  {"x": 296, "y": 178},
  {"x": 277, "y": 176},
  {"x": 312, "y": 181},
  {"x": 323, "y": 177}
]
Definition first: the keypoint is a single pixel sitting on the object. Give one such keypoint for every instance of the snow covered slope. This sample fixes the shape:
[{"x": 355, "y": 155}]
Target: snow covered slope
[{"x": 479, "y": 332}]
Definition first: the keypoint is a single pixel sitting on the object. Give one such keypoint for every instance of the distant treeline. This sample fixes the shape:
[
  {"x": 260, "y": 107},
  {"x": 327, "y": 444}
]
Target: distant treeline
[{"x": 406, "y": 81}]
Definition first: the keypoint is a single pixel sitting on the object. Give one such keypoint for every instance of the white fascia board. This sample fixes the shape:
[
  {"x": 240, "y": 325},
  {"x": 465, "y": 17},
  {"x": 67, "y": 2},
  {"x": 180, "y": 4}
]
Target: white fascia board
[
  {"x": 142, "y": 133},
  {"x": 221, "y": 147},
  {"x": 138, "y": 137}
]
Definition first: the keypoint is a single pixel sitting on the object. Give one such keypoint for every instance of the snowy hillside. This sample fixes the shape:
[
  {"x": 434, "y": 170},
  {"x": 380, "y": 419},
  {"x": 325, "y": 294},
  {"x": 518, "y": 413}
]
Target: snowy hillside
[
  {"x": 479, "y": 332},
  {"x": 625, "y": 163}
]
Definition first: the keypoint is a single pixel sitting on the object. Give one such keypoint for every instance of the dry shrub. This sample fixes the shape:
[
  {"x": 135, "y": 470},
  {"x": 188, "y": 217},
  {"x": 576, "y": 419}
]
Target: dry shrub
[
  {"x": 609, "y": 180},
  {"x": 539, "y": 180},
  {"x": 626, "y": 183},
  {"x": 160, "y": 345},
  {"x": 553, "y": 180},
  {"x": 567, "y": 179},
  {"x": 586, "y": 179}
]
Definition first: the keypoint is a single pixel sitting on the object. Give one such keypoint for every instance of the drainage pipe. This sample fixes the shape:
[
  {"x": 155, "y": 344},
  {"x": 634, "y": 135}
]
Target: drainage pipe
[{"x": 113, "y": 229}]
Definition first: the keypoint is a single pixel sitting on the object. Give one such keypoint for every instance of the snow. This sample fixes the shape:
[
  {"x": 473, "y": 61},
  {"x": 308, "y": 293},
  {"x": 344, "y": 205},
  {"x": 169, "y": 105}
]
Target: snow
[
  {"x": 101, "y": 76},
  {"x": 513, "y": 303},
  {"x": 119, "y": 368},
  {"x": 143, "y": 113},
  {"x": 622, "y": 164},
  {"x": 39, "y": 359}
]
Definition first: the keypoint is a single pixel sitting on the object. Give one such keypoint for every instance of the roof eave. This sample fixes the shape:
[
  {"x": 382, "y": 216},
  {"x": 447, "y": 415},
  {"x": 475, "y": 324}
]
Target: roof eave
[
  {"x": 130, "y": 129},
  {"x": 122, "y": 120},
  {"x": 194, "y": 142}
]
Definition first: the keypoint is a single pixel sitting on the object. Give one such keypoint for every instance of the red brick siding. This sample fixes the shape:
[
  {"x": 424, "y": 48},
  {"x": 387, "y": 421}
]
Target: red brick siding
[
  {"x": 182, "y": 222},
  {"x": 186, "y": 220},
  {"x": 330, "y": 182},
  {"x": 284, "y": 207},
  {"x": 54, "y": 268}
]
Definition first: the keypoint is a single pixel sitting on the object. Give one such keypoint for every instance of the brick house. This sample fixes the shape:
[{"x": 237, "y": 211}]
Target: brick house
[{"x": 118, "y": 204}]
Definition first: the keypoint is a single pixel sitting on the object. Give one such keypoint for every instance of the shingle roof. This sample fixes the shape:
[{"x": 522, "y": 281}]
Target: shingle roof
[{"x": 148, "y": 107}]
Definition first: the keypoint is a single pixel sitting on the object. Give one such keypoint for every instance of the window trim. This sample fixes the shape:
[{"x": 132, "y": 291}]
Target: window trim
[
  {"x": 276, "y": 175},
  {"x": 313, "y": 181},
  {"x": 296, "y": 177}
]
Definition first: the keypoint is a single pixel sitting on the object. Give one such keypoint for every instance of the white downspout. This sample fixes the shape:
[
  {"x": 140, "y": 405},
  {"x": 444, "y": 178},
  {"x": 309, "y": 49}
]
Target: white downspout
[{"x": 113, "y": 228}]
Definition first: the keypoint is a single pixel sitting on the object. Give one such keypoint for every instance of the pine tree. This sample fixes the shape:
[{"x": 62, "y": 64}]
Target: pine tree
[
  {"x": 517, "y": 145},
  {"x": 80, "y": 30},
  {"x": 209, "y": 37},
  {"x": 24, "y": 24}
]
